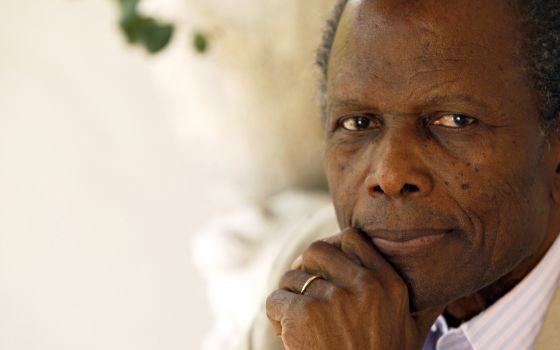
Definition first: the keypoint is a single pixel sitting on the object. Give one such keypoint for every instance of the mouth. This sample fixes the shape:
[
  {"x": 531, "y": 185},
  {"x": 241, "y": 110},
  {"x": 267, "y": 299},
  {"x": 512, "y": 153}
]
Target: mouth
[{"x": 405, "y": 241}]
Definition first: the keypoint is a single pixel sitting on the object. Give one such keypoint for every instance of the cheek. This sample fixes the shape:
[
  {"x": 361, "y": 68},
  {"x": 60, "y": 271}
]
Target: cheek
[
  {"x": 522, "y": 216},
  {"x": 345, "y": 179},
  {"x": 501, "y": 192},
  {"x": 507, "y": 203}
]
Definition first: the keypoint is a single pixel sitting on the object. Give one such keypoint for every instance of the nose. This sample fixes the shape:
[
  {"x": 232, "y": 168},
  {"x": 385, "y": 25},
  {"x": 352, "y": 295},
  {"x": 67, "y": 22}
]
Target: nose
[{"x": 397, "y": 171}]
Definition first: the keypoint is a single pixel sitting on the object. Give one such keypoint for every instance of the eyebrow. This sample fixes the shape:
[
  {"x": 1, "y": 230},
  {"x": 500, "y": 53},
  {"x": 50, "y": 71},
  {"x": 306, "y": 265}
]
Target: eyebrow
[{"x": 439, "y": 99}]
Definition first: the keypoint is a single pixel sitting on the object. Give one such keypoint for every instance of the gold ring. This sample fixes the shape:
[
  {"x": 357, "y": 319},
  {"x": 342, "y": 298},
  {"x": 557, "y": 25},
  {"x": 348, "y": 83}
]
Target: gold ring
[{"x": 307, "y": 283}]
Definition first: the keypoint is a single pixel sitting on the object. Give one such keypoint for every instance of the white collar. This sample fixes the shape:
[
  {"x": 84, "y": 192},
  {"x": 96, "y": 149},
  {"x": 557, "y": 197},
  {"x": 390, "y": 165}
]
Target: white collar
[{"x": 515, "y": 320}]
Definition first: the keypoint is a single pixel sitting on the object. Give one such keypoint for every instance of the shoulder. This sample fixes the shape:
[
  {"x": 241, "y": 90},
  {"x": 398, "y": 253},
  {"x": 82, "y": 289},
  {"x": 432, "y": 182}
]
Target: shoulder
[{"x": 549, "y": 337}]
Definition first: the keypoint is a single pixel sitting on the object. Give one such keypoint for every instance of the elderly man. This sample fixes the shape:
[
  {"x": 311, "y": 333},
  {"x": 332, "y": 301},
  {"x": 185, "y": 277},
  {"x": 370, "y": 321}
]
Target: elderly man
[{"x": 443, "y": 160}]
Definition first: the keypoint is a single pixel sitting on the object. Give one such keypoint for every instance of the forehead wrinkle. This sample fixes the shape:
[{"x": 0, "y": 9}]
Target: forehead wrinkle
[
  {"x": 470, "y": 99},
  {"x": 433, "y": 96},
  {"x": 441, "y": 84},
  {"x": 422, "y": 73}
]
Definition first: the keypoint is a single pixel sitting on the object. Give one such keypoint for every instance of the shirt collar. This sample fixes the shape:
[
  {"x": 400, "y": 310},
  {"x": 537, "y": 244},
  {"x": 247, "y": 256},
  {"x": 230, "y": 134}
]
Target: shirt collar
[{"x": 515, "y": 320}]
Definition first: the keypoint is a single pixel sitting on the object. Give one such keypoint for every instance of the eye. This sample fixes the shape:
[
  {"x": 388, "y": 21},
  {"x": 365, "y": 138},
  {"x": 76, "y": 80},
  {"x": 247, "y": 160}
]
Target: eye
[
  {"x": 358, "y": 123},
  {"x": 456, "y": 121}
]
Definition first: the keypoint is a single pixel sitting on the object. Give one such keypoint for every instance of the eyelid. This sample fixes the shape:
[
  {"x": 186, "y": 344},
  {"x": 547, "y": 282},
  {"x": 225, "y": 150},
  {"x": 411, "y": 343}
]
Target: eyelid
[
  {"x": 369, "y": 116},
  {"x": 439, "y": 116},
  {"x": 373, "y": 120}
]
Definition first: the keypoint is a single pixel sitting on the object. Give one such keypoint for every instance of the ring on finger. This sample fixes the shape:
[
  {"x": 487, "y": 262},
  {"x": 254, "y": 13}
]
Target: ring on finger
[{"x": 307, "y": 283}]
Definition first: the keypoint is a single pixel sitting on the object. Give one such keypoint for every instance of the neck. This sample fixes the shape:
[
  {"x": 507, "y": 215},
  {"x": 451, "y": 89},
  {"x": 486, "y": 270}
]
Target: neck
[{"x": 466, "y": 308}]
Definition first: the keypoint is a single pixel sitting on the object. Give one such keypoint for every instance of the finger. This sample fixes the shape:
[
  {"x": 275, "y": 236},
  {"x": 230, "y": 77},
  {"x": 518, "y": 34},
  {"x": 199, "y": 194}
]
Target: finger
[
  {"x": 336, "y": 241},
  {"x": 353, "y": 242},
  {"x": 294, "y": 280},
  {"x": 296, "y": 265},
  {"x": 324, "y": 259},
  {"x": 279, "y": 303},
  {"x": 333, "y": 240}
]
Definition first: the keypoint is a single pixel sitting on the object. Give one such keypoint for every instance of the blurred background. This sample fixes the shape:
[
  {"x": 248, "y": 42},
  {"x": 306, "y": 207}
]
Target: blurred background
[{"x": 133, "y": 135}]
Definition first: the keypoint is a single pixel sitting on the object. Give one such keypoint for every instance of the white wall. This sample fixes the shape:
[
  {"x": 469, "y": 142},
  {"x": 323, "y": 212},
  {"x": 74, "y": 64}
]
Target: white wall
[{"x": 98, "y": 198}]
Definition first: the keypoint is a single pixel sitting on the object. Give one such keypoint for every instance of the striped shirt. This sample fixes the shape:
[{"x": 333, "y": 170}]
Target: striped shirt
[{"x": 513, "y": 322}]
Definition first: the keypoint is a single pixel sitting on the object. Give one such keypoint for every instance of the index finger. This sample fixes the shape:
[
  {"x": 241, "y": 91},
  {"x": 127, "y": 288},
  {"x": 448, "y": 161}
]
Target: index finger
[{"x": 353, "y": 242}]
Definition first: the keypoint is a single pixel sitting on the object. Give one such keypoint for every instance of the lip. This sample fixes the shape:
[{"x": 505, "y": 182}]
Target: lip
[{"x": 402, "y": 241}]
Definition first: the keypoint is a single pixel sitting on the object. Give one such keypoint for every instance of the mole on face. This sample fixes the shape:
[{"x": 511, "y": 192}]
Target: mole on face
[{"x": 465, "y": 186}]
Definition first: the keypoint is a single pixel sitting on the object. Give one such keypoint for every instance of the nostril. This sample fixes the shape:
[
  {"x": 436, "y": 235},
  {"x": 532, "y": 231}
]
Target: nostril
[
  {"x": 377, "y": 189},
  {"x": 408, "y": 188}
]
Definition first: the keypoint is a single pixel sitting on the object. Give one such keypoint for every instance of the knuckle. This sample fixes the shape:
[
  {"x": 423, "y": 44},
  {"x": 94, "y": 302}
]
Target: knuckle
[
  {"x": 286, "y": 279},
  {"x": 317, "y": 246},
  {"x": 314, "y": 249},
  {"x": 336, "y": 294},
  {"x": 366, "y": 279},
  {"x": 368, "y": 284},
  {"x": 271, "y": 300}
]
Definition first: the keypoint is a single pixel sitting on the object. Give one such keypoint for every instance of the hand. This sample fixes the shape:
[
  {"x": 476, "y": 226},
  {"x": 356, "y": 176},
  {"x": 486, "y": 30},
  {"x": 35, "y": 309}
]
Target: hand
[{"x": 360, "y": 302}]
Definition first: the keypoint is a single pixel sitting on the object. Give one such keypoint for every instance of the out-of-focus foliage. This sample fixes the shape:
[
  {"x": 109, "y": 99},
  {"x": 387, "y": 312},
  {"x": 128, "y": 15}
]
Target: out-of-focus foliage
[
  {"x": 200, "y": 42},
  {"x": 139, "y": 29},
  {"x": 152, "y": 34}
]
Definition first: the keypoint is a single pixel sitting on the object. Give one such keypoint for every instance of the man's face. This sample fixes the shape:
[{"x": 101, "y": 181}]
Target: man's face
[{"x": 433, "y": 132}]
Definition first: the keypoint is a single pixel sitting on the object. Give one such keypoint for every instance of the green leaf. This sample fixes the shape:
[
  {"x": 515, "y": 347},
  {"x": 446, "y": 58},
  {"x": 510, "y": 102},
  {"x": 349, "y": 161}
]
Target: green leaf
[
  {"x": 200, "y": 42},
  {"x": 128, "y": 8},
  {"x": 133, "y": 27},
  {"x": 143, "y": 30},
  {"x": 157, "y": 37}
]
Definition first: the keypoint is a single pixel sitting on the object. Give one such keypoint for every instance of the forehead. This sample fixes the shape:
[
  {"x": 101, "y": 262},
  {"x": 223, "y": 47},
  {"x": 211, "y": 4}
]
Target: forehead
[
  {"x": 446, "y": 24},
  {"x": 406, "y": 46}
]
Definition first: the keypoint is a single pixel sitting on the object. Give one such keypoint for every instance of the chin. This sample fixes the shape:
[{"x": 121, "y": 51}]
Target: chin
[{"x": 426, "y": 294}]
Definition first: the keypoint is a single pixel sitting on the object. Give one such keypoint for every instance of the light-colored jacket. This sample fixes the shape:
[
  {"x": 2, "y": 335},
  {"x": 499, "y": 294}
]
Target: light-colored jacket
[
  {"x": 324, "y": 224},
  {"x": 549, "y": 339}
]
